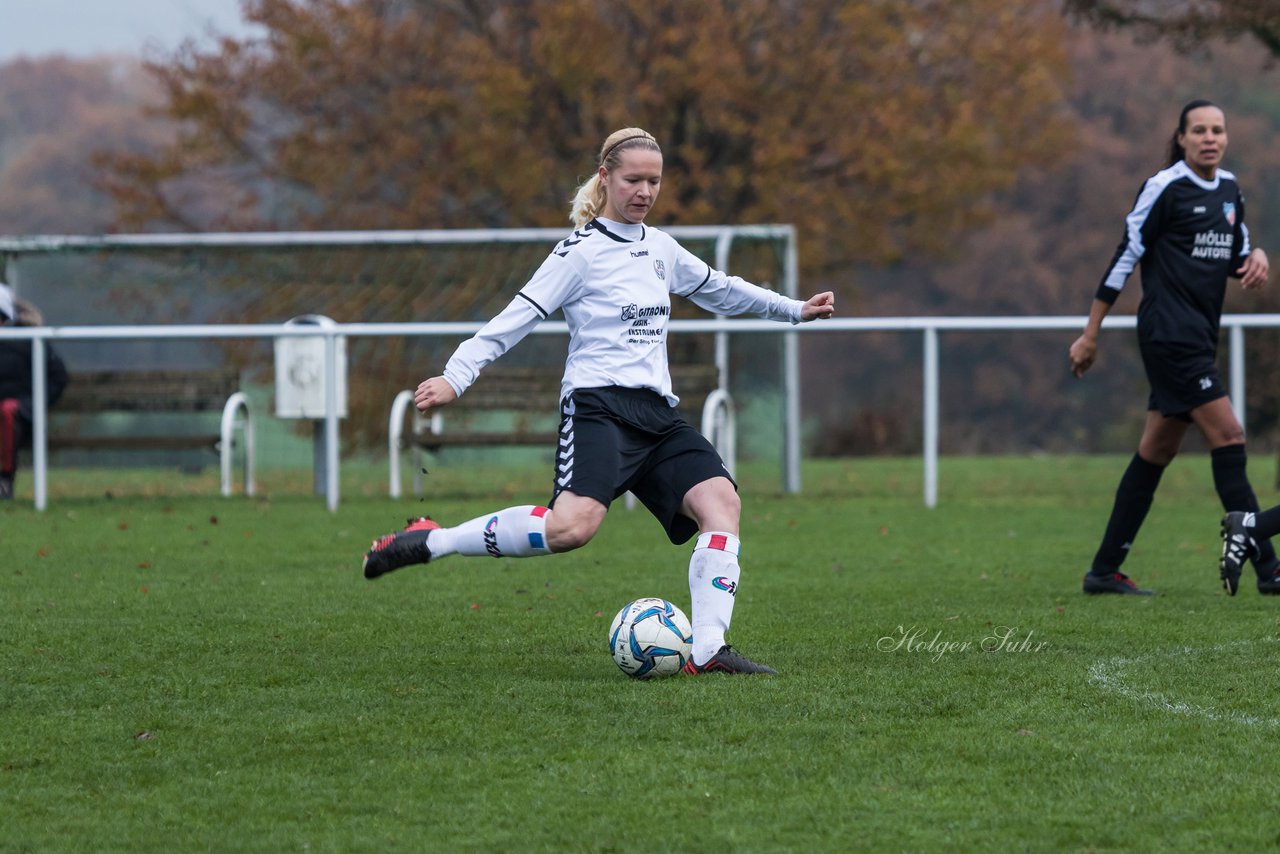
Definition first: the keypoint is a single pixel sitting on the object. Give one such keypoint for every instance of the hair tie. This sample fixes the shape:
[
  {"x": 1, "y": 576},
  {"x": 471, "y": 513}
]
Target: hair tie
[{"x": 610, "y": 149}]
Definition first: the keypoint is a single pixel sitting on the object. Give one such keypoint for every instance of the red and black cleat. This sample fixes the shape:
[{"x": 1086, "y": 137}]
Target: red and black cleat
[{"x": 400, "y": 549}]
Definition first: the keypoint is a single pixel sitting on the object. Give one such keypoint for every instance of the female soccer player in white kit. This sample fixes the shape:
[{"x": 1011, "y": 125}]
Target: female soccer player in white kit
[{"x": 613, "y": 278}]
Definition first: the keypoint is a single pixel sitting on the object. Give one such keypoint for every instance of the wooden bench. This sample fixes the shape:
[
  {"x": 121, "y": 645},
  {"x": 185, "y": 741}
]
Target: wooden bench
[
  {"x": 95, "y": 393},
  {"x": 531, "y": 399}
]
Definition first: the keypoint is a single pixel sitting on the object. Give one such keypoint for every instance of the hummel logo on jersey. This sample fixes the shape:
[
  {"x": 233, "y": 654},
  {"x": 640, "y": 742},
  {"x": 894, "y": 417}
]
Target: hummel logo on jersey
[
  {"x": 1205, "y": 383},
  {"x": 1199, "y": 209},
  {"x": 660, "y": 268},
  {"x": 569, "y": 242},
  {"x": 629, "y": 312},
  {"x": 641, "y": 254}
]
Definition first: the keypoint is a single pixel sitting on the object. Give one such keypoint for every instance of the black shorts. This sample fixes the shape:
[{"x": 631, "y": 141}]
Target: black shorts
[
  {"x": 615, "y": 440},
  {"x": 1181, "y": 378}
]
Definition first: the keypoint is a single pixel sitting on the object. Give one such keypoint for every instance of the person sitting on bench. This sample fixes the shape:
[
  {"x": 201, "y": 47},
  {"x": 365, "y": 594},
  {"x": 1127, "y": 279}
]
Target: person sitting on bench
[{"x": 15, "y": 384}]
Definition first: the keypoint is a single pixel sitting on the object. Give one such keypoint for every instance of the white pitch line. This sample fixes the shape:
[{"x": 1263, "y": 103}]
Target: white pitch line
[{"x": 1106, "y": 675}]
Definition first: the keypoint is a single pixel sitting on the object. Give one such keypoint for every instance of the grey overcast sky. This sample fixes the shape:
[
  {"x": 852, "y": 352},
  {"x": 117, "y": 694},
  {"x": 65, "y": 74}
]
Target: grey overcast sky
[{"x": 81, "y": 28}]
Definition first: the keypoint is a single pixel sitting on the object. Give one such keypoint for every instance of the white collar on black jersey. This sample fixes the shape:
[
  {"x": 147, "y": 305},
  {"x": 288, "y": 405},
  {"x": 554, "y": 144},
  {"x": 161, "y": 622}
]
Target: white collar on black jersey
[
  {"x": 629, "y": 231},
  {"x": 1186, "y": 170}
]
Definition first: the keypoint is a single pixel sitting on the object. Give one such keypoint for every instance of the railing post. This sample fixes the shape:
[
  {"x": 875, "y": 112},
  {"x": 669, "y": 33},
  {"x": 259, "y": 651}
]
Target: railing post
[
  {"x": 39, "y": 422},
  {"x": 331, "y": 416},
  {"x": 931, "y": 416},
  {"x": 1237, "y": 373}
]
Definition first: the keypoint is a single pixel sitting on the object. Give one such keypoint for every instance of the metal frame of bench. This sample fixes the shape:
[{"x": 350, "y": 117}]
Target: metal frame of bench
[
  {"x": 719, "y": 425},
  {"x": 237, "y": 414}
]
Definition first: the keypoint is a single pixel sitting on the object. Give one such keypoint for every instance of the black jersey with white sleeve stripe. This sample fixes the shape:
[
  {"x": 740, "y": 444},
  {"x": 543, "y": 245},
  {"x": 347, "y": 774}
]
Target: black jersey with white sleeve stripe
[{"x": 1188, "y": 235}]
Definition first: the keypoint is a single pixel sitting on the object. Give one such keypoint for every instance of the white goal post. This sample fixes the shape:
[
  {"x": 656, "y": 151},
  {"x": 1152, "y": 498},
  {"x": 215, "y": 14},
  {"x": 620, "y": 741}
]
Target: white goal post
[{"x": 16, "y": 252}]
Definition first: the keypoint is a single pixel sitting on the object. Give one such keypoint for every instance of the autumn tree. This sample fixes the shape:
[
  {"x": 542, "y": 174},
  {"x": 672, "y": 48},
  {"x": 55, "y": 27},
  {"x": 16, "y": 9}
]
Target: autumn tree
[
  {"x": 1043, "y": 254},
  {"x": 1187, "y": 24},
  {"x": 54, "y": 113},
  {"x": 879, "y": 128}
]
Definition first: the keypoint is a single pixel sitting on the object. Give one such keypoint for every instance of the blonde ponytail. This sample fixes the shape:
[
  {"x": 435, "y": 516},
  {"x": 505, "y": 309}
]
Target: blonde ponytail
[{"x": 587, "y": 201}]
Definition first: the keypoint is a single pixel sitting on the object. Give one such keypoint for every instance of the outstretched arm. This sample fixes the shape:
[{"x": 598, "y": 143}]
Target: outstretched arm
[{"x": 553, "y": 284}]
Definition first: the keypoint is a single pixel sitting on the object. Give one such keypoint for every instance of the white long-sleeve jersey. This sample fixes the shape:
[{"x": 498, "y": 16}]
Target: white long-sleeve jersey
[{"x": 614, "y": 283}]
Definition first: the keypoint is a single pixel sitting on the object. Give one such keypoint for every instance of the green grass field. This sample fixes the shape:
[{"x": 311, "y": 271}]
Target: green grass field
[{"x": 187, "y": 672}]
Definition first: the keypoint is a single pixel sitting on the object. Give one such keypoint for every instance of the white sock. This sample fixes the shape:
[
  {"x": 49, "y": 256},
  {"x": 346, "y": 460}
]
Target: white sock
[
  {"x": 713, "y": 583},
  {"x": 513, "y": 532}
]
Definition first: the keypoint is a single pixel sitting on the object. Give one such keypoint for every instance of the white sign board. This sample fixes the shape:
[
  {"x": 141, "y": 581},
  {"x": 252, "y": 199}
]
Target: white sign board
[{"x": 300, "y": 379}]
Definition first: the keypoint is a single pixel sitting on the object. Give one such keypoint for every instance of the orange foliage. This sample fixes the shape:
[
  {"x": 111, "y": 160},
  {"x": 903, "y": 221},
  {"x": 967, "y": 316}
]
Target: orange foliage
[
  {"x": 879, "y": 128},
  {"x": 1045, "y": 250}
]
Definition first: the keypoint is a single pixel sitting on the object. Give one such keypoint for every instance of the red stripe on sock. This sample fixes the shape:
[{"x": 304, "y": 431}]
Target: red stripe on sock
[
  {"x": 718, "y": 541},
  {"x": 538, "y": 511}
]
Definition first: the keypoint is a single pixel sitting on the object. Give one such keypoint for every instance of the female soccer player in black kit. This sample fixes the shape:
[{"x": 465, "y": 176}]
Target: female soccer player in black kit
[
  {"x": 1187, "y": 230},
  {"x": 613, "y": 278}
]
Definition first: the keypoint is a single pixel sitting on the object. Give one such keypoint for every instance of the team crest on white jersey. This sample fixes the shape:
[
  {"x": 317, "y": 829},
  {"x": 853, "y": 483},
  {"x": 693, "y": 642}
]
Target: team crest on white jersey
[
  {"x": 660, "y": 268},
  {"x": 1229, "y": 211}
]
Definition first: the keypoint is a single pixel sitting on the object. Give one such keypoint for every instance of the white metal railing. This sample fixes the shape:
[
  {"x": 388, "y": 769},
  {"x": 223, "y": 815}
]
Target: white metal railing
[{"x": 929, "y": 327}]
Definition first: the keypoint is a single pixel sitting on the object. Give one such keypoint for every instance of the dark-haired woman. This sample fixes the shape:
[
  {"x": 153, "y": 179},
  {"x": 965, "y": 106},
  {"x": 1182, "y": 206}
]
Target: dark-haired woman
[
  {"x": 613, "y": 278},
  {"x": 1187, "y": 232}
]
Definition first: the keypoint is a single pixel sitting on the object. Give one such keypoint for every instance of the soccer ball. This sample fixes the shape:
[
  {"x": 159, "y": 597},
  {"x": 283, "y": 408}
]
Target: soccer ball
[{"x": 650, "y": 638}]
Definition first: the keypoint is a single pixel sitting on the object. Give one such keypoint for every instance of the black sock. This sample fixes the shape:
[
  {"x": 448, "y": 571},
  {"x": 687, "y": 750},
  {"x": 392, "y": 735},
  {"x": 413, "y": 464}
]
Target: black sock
[
  {"x": 1267, "y": 523},
  {"x": 1233, "y": 487},
  {"x": 1133, "y": 499}
]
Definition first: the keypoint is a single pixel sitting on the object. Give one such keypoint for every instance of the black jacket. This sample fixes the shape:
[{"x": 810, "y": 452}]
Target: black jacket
[{"x": 15, "y": 374}]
